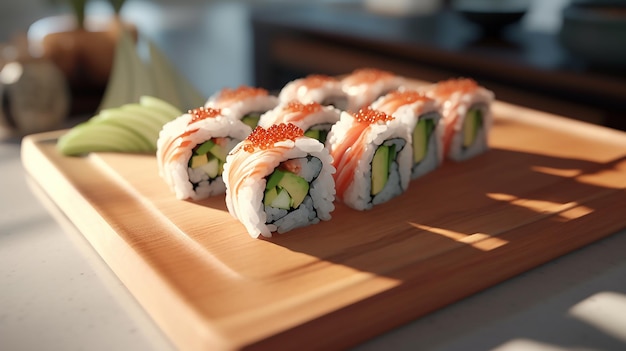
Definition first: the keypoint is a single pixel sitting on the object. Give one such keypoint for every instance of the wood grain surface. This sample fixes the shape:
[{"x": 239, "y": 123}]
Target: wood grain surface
[{"x": 548, "y": 186}]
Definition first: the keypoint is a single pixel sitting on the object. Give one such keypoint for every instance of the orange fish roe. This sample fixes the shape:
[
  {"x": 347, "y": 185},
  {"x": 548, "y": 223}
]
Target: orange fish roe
[
  {"x": 372, "y": 116},
  {"x": 241, "y": 93},
  {"x": 265, "y": 138},
  {"x": 297, "y": 106},
  {"x": 448, "y": 87},
  {"x": 367, "y": 75},
  {"x": 317, "y": 80},
  {"x": 200, "y": 113}
]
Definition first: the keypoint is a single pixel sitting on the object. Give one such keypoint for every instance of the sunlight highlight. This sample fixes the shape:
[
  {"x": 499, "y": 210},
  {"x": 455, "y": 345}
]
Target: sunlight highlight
[
  {"x": 539, "y": 206},
  {"x": 575, "y": 212},
  {"x": 563, "y": 212},
  {"x": 610, "y": 177},
  {"x": 528, "y": 345},
  {"x": 565, "y": 173},
  {"x": 480, "y": 241},
  {"x": 606, "y": 311}
]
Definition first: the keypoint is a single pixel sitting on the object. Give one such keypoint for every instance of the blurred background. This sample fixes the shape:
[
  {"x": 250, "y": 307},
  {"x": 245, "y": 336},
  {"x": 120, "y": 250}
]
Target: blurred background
[{"x": 561, "y": 56}]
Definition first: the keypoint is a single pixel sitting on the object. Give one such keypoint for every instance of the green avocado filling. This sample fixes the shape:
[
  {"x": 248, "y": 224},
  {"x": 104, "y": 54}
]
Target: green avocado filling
[
  {"x": 381, "y": 166},
  {"x": 318, "y": 134},
  {"x": 251, "y": 119},
  {"x": 285, "y": 190},
  {"x": 209, "y": 157},
  {"x": 471, "y": 125},
  {"x": 421, "y": 137}
]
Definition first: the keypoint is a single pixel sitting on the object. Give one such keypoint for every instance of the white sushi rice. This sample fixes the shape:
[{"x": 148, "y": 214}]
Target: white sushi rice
[
  {"x": 176, "y": 172},
  {"x": 358, "y": 194},
  {"x": 247, "y": 172}
]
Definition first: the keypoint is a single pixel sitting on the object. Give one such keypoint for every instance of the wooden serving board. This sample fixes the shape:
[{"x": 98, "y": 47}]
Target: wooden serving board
[{"x": 549, "y": 185}]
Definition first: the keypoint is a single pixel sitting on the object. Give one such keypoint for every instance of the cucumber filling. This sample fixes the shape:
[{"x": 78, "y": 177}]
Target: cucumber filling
[
  {"x": 319, "y": 132},
  {"x": 287, "y": 189},
  {"x": 472, "y": 124},
  {"x": 385, "y": 167},
  {"x": 209, "y": 158},
  {"x": 251, "y": 119},
  {"x": 421, "y": 136}
]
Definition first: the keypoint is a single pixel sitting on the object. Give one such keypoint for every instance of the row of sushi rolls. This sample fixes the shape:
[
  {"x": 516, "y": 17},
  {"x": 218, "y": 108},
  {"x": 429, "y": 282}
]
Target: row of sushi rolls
[{"x": 282, "y": 160}]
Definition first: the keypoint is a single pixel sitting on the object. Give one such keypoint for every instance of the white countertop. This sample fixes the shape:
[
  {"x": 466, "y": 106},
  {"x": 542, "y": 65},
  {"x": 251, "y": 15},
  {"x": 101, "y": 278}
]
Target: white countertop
[{"x": 57, "y": 294}]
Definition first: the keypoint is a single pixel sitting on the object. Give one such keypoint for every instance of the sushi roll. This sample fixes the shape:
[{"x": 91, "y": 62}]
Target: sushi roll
[
  {"x": 315, "y": 119},
  {"x": 244, "y": 103},
  {"x": 277, "y": 179},
  {"x": 192, "y": 150},
  {"x": 422, "y": 116},
  {"x": 372, "y": 156},
  {"x": 467, "y": 116},
  {"x": 319, "y": 88},
  {"x": 363, "y": 86}
]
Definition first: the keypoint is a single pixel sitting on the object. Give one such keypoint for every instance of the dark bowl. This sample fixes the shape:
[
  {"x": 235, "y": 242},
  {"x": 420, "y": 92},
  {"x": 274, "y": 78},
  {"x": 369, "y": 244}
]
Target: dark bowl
[
  {"x": 491, "y": 16},
  {"x": 596, "y": 31}
]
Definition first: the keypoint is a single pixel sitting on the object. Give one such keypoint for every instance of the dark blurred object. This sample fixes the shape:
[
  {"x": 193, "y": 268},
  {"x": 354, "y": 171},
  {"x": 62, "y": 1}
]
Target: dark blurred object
[
  {"x": 83, "y": 53},
  {"x": 404, "y": 8},
  {"x": 34, "y": 95},
  {"x": 526, "y": 66},
  {"x": 491, "y": 15},
  {"x": 596, "y": 31},
  {"x": 82, "y": 46}
]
